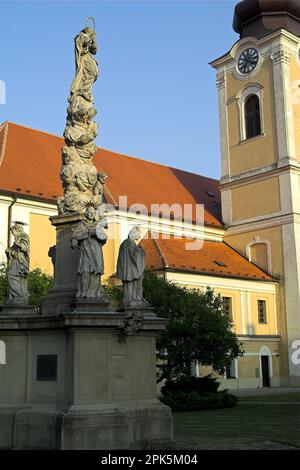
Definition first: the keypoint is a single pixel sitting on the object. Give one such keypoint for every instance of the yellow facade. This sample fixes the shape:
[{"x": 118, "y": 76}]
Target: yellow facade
[
  {"x": 244, "y": 296},
  {"x": 42, "y": 236},
  {"x": 247, "y": 199},
  {"x": 260, "y": 151}
]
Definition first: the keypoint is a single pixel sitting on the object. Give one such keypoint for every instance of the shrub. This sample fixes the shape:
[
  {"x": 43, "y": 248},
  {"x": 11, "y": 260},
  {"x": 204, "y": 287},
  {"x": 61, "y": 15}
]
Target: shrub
[
  {"x": 207, "y": 384},
  {"x": 193, "y": 401},
  {"x": 195, "y": 394},
  {"x": 39, "y": 284}
]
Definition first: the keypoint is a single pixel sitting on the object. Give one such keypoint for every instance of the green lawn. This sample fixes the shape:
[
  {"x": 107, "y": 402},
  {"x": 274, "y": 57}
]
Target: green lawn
[
  {"x": 251, "y": 426},
  {"x": 288, "y": 397}
]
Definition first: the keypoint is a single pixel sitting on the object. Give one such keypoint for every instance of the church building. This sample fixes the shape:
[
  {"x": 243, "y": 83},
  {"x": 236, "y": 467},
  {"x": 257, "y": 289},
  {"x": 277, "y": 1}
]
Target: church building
[{"x": 250, "y": 240}]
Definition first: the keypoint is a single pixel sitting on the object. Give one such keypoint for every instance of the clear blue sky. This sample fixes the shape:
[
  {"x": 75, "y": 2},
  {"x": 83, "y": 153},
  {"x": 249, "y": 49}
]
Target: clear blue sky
[{"x": 156, "y": 94}]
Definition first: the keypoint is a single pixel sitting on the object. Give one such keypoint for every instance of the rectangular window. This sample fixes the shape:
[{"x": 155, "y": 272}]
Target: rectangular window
[
  {"x": 262, "y": 311},
  {"x": 227, "y": 306}
]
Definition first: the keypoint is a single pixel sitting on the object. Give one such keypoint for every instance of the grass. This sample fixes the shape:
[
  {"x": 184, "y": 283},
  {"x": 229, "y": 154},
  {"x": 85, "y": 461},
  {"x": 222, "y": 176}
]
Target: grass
[
  {"x": 281, "y": 397},
  {"x": 257, "y": 424}
]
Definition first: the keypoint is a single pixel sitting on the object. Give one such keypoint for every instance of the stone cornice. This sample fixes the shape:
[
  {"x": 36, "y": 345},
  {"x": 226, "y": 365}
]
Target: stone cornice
[
  {"x": 257, "y": 175},
  {"x": 281, "y": 56}
]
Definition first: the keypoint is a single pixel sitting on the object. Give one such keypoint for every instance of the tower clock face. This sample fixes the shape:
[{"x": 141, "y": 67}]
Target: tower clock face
[{"x": 248, "y": 60}]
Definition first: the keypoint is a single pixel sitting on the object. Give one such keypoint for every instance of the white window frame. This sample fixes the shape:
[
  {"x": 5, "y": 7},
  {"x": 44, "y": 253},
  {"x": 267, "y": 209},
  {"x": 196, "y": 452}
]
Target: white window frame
[
  {"x": 265, "y": 351},
  {"x": 266, "y": 322},
  {"x": 253, "y": 89},
  {"x": 2, "y": 352},
  {"x": 231, "y": 304}
]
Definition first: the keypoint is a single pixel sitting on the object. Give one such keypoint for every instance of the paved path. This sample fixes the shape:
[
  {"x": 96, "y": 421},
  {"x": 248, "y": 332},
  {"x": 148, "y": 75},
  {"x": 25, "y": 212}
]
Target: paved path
[
  {"x": 255, "y": 402},
  {"x": 251, "y": 392},
  {"x": 230, "y": 444}
]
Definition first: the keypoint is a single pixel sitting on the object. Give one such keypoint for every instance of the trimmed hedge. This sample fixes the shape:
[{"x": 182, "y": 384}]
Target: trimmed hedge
[
  {"x": 196, "y": 394},
  {"x": 193, "y": 401}
]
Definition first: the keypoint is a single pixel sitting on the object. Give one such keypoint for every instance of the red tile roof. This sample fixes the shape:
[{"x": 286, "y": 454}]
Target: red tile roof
[
  {"x": 30, "y": 166},
  {"x": 215, "y": 259}
]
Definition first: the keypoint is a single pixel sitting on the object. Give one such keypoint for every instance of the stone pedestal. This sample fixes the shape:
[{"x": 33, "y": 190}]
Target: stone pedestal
[
  {"x": 80, "y": 375},
  {"x": 16, "y": 310},
  {"x": 62, "y": 296},
  {"x": 81, "y": 381}
]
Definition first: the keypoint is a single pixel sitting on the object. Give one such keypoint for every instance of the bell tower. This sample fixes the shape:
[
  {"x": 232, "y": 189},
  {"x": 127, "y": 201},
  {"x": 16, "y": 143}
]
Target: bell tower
[{"x": 258, "y": 84}]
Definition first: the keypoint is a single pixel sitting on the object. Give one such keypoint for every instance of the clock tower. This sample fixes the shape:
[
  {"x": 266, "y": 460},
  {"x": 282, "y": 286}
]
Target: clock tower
[{"x": 258, "y": 83}]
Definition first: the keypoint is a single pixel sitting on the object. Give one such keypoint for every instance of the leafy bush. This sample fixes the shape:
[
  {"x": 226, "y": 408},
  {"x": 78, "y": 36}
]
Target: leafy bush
[
  {"x": 193, "y": 401},
  {"x": 207, "y": 384},
  {"x": 196, "y": 394},
  {"x": 114, "y": 292},
  {"x": 39, "y": 284}
]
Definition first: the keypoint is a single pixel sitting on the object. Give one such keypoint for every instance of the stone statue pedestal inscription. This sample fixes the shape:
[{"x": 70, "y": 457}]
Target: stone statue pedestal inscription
[{"x": 81, "y": 381}]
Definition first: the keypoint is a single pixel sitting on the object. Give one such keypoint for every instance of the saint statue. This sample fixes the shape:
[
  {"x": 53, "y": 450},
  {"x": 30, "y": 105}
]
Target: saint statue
[
  {"x": 18, "y": 266},
  {"x": 89, "y": 237},
  {"x": 82, "y": 183},
  {"x": 86, "y": 64},
  {"x": 130, "y": 269}
]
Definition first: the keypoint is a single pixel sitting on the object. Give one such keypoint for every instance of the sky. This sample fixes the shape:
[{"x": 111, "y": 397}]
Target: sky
[{"x": 155, "y": 95}]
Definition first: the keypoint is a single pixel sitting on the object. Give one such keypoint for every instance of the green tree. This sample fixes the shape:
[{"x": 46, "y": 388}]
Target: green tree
[
  {"x": 197, "y": 328},
  {"x": 39, "y": 284}
]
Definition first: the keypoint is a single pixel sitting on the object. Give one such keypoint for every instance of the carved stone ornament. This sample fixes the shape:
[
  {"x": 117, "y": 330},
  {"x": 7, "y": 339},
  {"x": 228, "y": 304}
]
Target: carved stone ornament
[
  {"x": 132, "y": 324},
  {"x": 81, "y": 182}
]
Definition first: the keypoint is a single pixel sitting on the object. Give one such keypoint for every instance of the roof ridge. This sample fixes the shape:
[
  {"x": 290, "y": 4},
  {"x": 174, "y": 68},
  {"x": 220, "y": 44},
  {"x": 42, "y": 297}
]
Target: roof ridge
[
  {"x": 107, "y": 191},
  {"x": 247, "y": 259},
  {"x": 111, "y": 151},
  {"x": 160, "y": 252},
  {"x": 35, "y": 130},
  {"x": 4, "y": 128}
]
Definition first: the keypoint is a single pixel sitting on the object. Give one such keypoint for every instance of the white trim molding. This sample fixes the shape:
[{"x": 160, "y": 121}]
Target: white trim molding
[
  {"x": 265, "y": 351},
  {"x": 250, "y": 321},
  {"x": 283, "y": 105},
  {"x": 2, "y": 352},
  {"x": 242, "y": 95},
  {"x": 223, "y": 124},
  {"x": 243, "y": 318}
]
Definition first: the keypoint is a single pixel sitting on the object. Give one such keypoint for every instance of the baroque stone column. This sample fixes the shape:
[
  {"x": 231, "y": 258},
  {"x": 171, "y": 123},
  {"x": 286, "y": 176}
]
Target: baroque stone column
[{"x": 82, "y": 184}]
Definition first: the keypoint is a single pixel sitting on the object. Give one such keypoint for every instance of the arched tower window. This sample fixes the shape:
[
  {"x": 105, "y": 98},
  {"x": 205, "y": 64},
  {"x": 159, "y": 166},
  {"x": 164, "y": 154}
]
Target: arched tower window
[
  {"x": 259, "y": 252},
  {"x": 252, "y": 116},
  {"x": 251, "y": 106},
  {"x": 259, "y": 255}
]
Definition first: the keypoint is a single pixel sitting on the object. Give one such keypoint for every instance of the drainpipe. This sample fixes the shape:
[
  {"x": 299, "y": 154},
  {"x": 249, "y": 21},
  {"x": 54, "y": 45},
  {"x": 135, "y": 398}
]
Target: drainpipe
[{"x": 14, "y": 200}]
